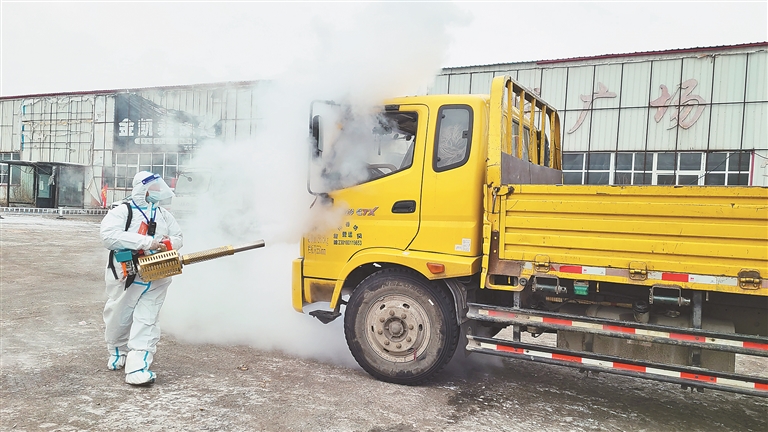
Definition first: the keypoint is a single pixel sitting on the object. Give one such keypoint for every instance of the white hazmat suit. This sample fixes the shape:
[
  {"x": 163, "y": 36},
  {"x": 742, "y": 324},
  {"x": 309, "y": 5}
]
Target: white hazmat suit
[{"x": 131, "y": 313}]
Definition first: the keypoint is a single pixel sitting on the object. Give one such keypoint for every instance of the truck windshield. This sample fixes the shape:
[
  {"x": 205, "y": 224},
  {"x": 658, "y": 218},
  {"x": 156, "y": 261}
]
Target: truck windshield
[{"x": 357, "y": 149}]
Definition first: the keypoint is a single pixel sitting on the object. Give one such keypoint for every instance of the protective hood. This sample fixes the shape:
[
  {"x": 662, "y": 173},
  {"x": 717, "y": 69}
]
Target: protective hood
[{"x": 144, "y": 182}]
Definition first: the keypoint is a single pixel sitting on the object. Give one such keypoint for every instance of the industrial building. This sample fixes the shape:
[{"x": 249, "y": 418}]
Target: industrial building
[
  {"x": 61, "y": 150},
  {"x": 693, "y": 116}
]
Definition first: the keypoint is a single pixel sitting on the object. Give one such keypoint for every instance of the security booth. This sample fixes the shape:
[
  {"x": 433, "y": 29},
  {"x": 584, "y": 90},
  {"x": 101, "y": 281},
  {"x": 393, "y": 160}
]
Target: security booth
[{"x": 44, "y": 184}]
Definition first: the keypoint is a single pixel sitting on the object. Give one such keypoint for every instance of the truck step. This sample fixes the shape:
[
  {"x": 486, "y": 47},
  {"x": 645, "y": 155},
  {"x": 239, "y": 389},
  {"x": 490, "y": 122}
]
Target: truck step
[
  {"x": 729, "y": 342},
  {"x": 684, "y": 375},
  {"x": 324, "y": 316}
]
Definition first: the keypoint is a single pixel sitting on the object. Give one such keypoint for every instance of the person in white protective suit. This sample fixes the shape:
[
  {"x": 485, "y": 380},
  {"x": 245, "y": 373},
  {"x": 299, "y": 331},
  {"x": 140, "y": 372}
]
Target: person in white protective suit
[{"x": 133, "y": 306}]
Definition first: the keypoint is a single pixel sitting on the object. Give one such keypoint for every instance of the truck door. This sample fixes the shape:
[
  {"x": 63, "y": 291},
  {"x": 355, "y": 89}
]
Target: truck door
[
  {"x": 452, "y": 206},
  {"x": 366, "y": 172}
]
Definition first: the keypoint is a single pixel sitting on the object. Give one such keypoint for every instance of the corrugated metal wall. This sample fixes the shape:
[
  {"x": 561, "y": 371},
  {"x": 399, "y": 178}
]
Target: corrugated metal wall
[
  {"x": 642, "y": 106},
  {"x": 83, "y": 129}
]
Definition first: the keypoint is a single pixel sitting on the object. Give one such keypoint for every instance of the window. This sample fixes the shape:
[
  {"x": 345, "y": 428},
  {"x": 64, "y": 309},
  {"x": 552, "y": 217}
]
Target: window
[
  {"x": 354, "y": 149},
  {"x": 666, "y": 168},
  {"x": 633, "y": 168},
  {"x": 128, "y": 164},
  {"x": 665, "y": 162},
  {"x": 454, "y": 126},
  {"x": 727, "y": 168},
  {"x": 8, "y": 172},
  {"x": 599, "y": 168},
  {"x": 681, "y": 169},
  {"x": 689, "y": 168},
  {"x": 573, "y": 168}
]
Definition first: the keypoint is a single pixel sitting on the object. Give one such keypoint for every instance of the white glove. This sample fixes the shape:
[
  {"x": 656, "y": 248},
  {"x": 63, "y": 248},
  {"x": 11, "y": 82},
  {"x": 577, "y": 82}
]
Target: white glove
[{"x": 157, "y": 246}]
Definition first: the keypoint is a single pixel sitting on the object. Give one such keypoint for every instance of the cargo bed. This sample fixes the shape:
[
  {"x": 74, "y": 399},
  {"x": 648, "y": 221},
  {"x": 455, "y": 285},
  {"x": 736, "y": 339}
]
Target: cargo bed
[{"x": 692, "y": 237}]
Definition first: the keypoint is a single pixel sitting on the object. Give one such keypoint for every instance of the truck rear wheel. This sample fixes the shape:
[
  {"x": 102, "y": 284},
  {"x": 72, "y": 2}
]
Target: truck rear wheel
[{"x": 400, "y": 328}]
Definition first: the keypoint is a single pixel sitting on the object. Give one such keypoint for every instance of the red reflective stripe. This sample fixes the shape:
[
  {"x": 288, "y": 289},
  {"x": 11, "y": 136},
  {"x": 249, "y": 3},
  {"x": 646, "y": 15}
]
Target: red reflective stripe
[
  {"x": 687, "y": 337},
  {"x": 677, "y": 277},
  {"x": 566, "y": 358},
  {"x": 760, "y": 386},
  {"x": 755, "y": 345},
  {"x": 570, "y": 269},
  {"x": 509, "y": 349},
  {"x": 629, "y": 367},
  {"x": 697, "y": 377},
  {"x": 501, "y": 314},
  {"x": 558, "y": 321},
  {"x": 618, "y": 329}
]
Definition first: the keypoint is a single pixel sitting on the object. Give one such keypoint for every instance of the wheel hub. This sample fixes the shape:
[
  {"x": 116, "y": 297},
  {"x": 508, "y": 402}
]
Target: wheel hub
[{"x": 398, "y": 328}]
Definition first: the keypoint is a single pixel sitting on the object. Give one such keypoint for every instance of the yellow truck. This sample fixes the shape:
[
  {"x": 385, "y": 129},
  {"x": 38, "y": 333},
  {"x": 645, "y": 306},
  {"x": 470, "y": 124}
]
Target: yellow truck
[{"x": 444, "y": 223}]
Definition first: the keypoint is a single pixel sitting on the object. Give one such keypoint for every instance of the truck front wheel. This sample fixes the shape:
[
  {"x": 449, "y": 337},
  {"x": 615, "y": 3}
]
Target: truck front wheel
[{"x": 400, "y": 328}]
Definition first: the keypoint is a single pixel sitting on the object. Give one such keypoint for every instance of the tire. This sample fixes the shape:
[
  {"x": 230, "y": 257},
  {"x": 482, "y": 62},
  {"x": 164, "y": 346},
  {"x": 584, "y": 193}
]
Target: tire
[{"x": 400, "y": 328}]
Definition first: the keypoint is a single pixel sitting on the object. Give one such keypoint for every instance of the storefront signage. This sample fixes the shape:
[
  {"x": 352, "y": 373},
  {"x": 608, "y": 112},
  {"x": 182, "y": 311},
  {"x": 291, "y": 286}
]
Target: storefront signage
[
  {"x": 685, "y": 108},
  {"x": 142, "y": 123}
]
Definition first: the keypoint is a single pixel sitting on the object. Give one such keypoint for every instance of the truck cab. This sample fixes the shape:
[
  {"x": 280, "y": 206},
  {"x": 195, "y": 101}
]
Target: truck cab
[{"x": 410, "y": 188}]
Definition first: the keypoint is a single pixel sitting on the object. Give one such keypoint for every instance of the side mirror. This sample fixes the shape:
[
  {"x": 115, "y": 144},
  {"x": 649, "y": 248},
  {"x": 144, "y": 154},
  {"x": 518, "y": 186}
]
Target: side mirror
[{"x": 317, "y": 139}]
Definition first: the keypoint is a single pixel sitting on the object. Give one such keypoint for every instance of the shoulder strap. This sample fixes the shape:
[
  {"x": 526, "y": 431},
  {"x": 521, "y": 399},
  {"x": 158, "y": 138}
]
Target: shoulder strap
[
  {"x": 111, "y": 264},
  {"x": 131, "y": 277},
  {"x": 130, "y": 215}
]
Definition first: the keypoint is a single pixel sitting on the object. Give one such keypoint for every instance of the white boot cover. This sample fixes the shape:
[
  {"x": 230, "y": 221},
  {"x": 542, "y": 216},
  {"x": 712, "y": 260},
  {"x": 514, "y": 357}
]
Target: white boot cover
[
  {"x": 137, "y": 368},
  {"x": 116, "y": 360}
]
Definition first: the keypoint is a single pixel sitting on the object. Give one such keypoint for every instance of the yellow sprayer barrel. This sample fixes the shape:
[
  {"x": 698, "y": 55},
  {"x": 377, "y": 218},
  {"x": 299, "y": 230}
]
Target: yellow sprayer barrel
[{"x": 165, "y": 264}]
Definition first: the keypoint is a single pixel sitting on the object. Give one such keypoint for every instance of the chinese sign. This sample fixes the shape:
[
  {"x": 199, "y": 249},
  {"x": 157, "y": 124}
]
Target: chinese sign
[
  {"x": 684, "y": 107},
  {"x": 588, "y": 100},
  {"x": 141, "y": 122},
  {"x": 348, "y": 236}
]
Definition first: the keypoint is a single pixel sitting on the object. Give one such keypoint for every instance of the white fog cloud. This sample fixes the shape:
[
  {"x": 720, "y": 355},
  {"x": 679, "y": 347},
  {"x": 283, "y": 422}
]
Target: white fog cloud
[{"x": 260, "y": 189}]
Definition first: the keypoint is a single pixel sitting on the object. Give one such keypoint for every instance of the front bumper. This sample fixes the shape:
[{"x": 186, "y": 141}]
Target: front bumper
[{"x": 297, "y": 289}]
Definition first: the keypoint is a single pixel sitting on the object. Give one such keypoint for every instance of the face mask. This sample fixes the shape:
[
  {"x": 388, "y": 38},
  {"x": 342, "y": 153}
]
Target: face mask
[{"x": 154, "y": 196}]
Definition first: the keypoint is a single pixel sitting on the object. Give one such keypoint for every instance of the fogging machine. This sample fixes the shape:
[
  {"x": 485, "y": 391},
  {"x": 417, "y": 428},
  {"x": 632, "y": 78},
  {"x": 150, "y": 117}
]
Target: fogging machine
[{"x": 164, "y": 264}]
